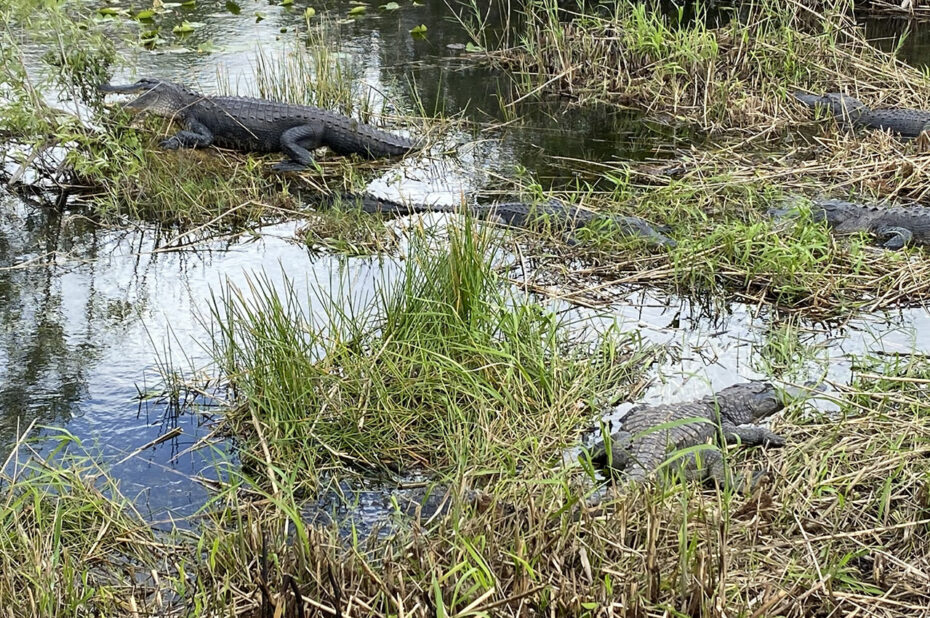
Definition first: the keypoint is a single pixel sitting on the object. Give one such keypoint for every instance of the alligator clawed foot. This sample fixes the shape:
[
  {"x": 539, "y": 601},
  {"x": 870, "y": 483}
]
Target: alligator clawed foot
[
  {"x": 288, "y": 165},
  {"x": 170, "y": 144}
]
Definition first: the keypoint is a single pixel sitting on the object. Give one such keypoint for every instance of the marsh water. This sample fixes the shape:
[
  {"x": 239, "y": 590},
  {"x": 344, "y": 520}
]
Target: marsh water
[{"x": 89, "y": 315}]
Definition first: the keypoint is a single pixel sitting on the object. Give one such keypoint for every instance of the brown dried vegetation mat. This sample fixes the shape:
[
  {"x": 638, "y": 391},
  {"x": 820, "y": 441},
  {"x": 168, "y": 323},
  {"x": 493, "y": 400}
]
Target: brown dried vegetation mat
[
  {"x": 738, "y": 75},
  {"x": 841, "y": 528}
]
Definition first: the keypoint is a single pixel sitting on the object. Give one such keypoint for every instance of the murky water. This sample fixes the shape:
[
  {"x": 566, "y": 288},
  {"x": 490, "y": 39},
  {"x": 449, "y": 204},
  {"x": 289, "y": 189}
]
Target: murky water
[{"x": 88, "y": 314}]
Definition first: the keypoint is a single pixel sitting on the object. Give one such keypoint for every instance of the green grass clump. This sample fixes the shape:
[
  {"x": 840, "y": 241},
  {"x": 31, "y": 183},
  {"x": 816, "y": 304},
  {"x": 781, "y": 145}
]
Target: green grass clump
[
  {"x": 70, "y": 543},
  {"x": 132, "y": 177},
  {"x": 789, "y": 264},
  {"x": 443, "y": 369}
]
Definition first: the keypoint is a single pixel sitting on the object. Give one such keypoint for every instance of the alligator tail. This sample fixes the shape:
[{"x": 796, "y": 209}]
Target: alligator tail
[{"x": 354, "y": 137}]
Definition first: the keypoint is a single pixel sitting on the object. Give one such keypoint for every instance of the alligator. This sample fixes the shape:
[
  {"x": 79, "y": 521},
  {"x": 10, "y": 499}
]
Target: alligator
[
  {"x": 567, "y": 217},
  {"x": 903, "y": 122},
  {"x": 259, "y": 125},
  {"x": 651, "y": 433},
  {"x": 899, "y": 225}
]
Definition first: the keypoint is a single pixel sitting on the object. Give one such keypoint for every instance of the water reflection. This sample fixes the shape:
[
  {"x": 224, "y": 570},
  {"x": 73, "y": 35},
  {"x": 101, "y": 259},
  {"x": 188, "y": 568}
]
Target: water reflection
[{"x": 87, "y": 313}]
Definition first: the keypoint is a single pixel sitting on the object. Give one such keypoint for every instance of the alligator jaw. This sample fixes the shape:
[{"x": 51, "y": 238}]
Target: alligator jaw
[
  {"x": 155, "y": 96},
  {"x": 128, "y": 88}
]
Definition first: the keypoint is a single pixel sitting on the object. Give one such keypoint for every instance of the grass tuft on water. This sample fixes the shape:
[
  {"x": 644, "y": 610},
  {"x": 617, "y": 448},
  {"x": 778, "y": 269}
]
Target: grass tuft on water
[{"x": 443, "y": 369}]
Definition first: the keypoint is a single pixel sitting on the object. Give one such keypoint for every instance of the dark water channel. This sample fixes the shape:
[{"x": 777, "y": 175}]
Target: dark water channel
[{"x": 87, "y": 315}]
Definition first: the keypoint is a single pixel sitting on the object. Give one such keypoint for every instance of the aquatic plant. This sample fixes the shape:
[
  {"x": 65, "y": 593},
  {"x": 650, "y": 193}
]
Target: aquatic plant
[{"x": 443, "y": 369}]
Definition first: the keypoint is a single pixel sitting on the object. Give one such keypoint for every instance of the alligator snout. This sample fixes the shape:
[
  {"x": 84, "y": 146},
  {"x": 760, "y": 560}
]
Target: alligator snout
[{"x": 126, "y": 88}]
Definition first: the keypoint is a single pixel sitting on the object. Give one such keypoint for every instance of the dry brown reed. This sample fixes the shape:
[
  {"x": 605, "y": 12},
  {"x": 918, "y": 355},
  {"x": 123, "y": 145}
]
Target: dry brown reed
[
  {"x": 737, "y": 76},
  {"x": 840, "y": 528}
]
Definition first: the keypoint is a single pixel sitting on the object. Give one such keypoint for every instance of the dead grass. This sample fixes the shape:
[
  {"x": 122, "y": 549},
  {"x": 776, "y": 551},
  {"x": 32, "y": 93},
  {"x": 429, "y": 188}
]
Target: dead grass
[
  {"x": 841, "y": 528},
  {"x": 737, "y": 76}
]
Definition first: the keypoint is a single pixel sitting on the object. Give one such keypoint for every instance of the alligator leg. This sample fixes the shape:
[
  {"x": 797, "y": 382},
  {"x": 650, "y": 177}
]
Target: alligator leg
[
  {"x": 298, "y": 143},
  {"x": 707, "y": 466},
  {"x": 751, "y": 435},
  {"x": 897, "y": 237},
  {"x": 197, "y": 135}
]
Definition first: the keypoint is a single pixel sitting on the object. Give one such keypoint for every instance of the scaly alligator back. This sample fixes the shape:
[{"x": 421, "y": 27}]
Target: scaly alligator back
[
  {"x": 520, "y": 214},
  {"x": 904, "y": 122},
  {"x": 259, "y": 124},
  {"x": 650, "y": 433},
  {"x": 249, "y": 124}
]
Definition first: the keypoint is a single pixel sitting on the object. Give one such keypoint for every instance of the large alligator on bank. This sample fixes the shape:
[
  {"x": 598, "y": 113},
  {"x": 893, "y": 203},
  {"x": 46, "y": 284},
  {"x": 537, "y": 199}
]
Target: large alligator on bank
[
  {"x": 259, "y": 125},
  {"x": 896, "y": 225},
  {"x": 651, "y": 433},
  {"x": 561, "y": 216},
  {"x": 900, "y": 121}
]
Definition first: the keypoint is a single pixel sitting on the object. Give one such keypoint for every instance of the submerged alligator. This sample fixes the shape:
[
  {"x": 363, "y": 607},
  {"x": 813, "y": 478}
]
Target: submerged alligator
[
  {"x": 904, "y": 122},
  {"x": 563, "y": 216},
  {"x": 899, "y": 225},
  {"x": 651, "y": 433},
  {"x": 248, "y": 124}
]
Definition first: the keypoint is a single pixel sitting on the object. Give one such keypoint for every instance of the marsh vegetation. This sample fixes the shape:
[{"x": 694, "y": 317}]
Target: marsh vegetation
[{"x": 392, "y": 416}]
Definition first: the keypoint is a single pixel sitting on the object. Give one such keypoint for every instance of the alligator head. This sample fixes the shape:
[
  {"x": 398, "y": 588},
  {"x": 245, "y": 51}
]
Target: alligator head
[
  {"x": 157, "y": 96},
  {"x": 839, "y": 104},
  {"x": 749, "y": 402},
  {"x": 835, "y": 212}
]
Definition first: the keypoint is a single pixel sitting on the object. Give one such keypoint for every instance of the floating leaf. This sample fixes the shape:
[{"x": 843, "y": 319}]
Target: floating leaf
[
  {"x": 145, "y": 15},
  {"x": 259, "y": 17},
  {"x": 232, "y": 7},
  {"x": 207, "y": 47},
  {"x": 471, "y": 47},
  {"x": 150, "y": 39},
  {"x": 189, "y": 4},
  {"x": 283, "y": 30},
  {"x": 358, "y": 10},
  {"x": 186, "y": 27},
  {"x": 287, "y": 2},
  {"x": 390, "y": 6},
  {"x": 309, "y": 12},
  {"x": 110, "y": 11},
  {"x": 418, "y": 31}
]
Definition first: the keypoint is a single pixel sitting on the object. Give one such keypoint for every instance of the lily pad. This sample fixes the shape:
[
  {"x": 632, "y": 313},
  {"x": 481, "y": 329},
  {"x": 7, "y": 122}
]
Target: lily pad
[
  {"x": 186, "y": 27},
  {"x": 390, "y": 6},
  {"x": 471, "y": 47},
  {"x": 287, "y": 2},
  {"x": 309, "y": 12},
  {"x": 419, "y": 31},
  {"x": 232, "y": 7},
  {"x": 358, "y": 10},
  {"x": 145, "y": 15},
  {"x": 259, "y": 17},
  {"x": 208, "y": 47},
  {"x": 189, "y": 4},
  {"x": 109, "y": 11}
]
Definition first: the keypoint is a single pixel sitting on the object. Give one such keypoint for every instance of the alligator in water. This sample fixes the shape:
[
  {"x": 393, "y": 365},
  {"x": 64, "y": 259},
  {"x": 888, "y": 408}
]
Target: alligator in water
[
  {"x": 904, "y": 122},
  {"x": 899, "y": 225},
  {"x": 651, "y": 433},
  {"x": 248, "y": 124},
  {"x": 519, "y": 214}
]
